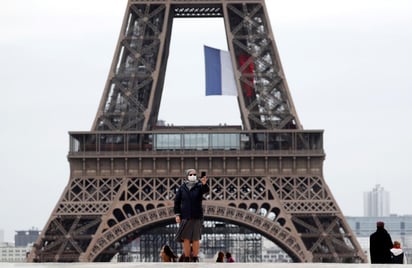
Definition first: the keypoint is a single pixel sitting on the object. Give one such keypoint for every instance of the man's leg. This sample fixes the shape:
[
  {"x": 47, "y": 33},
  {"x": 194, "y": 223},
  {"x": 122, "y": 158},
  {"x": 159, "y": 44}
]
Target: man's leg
[
  {"x": 196, "y": 245},
  {"x": 186, "y": 247}
]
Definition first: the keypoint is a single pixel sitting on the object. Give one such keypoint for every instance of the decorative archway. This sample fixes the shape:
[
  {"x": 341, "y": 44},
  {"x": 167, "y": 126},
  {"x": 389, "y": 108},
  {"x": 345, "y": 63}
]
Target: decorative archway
[{"x": 271, "y": 229}]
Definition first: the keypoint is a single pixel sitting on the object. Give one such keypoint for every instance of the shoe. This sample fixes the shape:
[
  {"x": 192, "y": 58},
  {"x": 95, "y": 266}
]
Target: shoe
[{"x": 195, "y": 259}]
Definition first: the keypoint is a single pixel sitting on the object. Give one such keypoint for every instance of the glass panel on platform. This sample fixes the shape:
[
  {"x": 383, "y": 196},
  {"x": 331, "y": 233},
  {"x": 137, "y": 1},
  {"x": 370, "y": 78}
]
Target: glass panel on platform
[
  {"x": 167, "y": 141},
  {"x": 196, "y": 141},
  {"x": 225, "y": 141}
]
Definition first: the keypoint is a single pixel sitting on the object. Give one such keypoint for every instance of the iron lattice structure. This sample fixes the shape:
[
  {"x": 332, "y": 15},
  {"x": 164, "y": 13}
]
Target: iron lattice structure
[{"x": 265, "y": 175}]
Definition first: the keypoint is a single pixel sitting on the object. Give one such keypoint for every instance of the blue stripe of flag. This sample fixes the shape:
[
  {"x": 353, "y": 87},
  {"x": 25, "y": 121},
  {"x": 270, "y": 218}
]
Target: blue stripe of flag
[{"x": 213, "y": 71}]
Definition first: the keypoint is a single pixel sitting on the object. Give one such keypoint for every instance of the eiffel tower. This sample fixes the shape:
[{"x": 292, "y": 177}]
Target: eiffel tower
[{"x": 265, "y": 175}]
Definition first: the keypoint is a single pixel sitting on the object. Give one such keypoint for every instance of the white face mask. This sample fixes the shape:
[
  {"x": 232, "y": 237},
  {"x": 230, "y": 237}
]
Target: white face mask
[{"x": 191, "y": 178}]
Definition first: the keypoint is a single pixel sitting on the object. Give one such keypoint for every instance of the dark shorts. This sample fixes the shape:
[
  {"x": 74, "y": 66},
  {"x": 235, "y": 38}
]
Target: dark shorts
[{"x": 190, "y": 230}]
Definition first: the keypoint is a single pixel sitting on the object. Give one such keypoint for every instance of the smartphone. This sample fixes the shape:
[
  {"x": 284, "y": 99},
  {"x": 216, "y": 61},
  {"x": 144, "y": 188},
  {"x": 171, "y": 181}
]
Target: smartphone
[{"x": 202, "y": 174}]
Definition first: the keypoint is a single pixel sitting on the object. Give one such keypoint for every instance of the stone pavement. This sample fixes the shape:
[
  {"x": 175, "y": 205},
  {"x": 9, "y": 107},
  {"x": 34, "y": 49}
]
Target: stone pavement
[{"x": 196, "y": 265}]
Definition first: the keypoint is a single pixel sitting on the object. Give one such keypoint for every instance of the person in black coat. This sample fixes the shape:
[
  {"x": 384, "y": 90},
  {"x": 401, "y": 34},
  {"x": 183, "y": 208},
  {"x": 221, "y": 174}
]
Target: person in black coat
[
  {"x": 167, "y": 254},
  {"x": 220, "y": 257},
  {"x": 380, "y": 244},
  {"x": 189, "y": 213}
]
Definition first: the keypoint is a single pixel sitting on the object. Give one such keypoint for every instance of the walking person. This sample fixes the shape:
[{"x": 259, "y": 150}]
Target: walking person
[
  {"x": 167, "y": 255},
  {"x": 189, "y": 213},
  {"x": 397, "y": 254},
  {"x": 229, "y": 257},
  {"x": 380, "y": 244},
  {"x": 220, "y": 257}
]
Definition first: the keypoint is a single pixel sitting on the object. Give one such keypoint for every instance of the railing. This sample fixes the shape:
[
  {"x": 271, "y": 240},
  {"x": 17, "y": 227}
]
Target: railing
[{"x": 181, "y": 140}]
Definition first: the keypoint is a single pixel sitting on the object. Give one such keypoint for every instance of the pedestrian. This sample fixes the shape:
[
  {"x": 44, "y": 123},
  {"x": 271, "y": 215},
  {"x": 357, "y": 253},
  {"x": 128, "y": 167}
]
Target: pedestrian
[
  {"x": 167, "y": 255},
  {"x": 220, "y": 257},
  {"x": 189, "y": 213},
  {"x": 229, "y": 257},
  {"x": 380, "y": 244},
  {"x": 397, "y": 254}
]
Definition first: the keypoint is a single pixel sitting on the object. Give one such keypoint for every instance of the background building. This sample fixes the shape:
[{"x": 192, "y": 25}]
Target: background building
[
  {"x": 10, "y": 253},
  {"x": 17, "y": 252},
  {"x": 24, "y": 238},
  {"x": 376, "y": 203}
]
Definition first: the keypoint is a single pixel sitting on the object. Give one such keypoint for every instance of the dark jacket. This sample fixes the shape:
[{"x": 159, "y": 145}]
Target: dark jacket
[
  {"x": 397, "y": 255},
  {"x": 188, "y": 203},
  {"x": 380, "y": 244}
]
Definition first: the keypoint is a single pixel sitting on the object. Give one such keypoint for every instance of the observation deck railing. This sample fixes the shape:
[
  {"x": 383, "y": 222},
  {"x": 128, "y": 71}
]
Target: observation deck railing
[{"x": 197, "y": 140}]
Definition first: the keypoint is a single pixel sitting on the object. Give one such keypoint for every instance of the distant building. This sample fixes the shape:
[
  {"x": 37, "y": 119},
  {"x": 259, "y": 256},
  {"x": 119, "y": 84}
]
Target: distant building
[
  {"x": 10, "y": 253},
  {"x": 24, "y": 238},
  {"x": 376, "y": 203},
  {"x": 17, "y": 251},
  {"x": 1, "y": 236}
]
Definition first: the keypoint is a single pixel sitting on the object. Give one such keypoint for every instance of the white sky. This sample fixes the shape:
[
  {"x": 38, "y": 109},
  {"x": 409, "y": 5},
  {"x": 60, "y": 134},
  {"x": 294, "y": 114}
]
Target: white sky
[{"x": 347, "y": 64}]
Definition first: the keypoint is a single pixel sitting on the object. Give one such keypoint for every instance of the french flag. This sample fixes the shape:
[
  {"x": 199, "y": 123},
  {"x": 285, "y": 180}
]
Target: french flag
[{"x": 220, "y": 79}]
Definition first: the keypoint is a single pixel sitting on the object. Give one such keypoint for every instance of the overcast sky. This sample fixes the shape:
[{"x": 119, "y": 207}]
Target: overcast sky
[{"x": 348, "y": 65}]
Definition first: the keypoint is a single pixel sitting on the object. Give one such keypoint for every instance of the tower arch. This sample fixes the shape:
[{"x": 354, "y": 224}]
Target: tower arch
[{"x": 272, "y": 230}]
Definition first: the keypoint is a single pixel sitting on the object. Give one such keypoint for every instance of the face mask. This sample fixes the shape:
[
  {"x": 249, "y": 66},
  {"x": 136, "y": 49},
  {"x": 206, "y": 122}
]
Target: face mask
[{"x": 192, "y": 178}]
